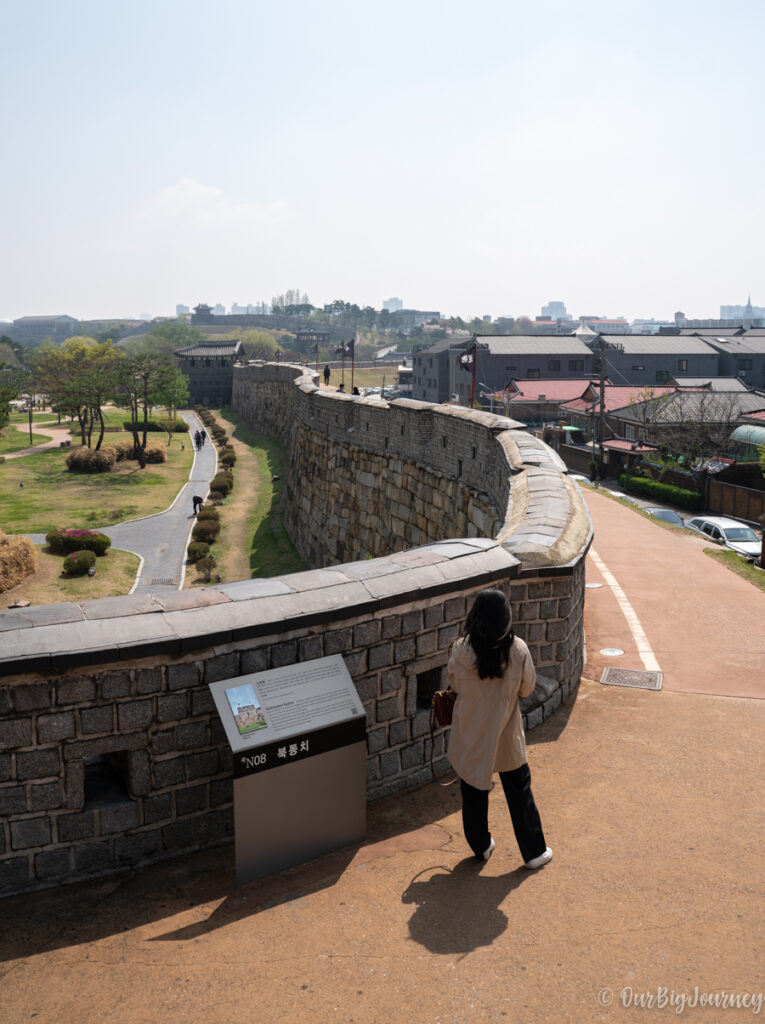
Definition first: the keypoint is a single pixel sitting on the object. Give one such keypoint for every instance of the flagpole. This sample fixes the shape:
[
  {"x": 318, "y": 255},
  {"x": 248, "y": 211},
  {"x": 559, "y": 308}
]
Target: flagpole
[
  {"x": 353, "y": 359},
  {"x": 472, "y": 386}
]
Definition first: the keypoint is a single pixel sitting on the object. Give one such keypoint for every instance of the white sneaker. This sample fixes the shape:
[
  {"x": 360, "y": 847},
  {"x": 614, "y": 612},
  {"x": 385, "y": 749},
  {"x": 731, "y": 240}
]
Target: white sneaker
[
  {"x": 540, "y": 861},
  {"x": 488, "y": 851}
]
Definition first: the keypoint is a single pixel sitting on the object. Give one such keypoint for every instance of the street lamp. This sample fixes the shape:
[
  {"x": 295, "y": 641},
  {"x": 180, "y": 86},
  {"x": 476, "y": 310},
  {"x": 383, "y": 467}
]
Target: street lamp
[{"x": 488, "y": 392}]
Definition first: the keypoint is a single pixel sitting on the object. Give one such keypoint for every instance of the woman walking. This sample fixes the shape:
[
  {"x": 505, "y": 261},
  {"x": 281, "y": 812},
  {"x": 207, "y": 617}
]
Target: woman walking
[{"x": 489, "y": 669}]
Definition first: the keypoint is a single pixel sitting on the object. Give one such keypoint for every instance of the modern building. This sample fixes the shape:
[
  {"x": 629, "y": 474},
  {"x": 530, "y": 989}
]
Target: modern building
[
  {"x": 209, "y": 366},
  {"x": 741, "y": 356},
  {"x": 31, "y": 330},
  {"x": 393, "y": 305},
  {"x": 500, "y": 359},
  {"x": 649, "y": 359},
  {"x": 743, "y": 313},
  {"x": 430, "y": 370},
  {"x": 554, "y": 311}
]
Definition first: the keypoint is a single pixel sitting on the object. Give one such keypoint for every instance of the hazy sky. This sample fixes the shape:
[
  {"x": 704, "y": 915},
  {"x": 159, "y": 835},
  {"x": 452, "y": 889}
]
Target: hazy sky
[{"x": 477, "y": 157}]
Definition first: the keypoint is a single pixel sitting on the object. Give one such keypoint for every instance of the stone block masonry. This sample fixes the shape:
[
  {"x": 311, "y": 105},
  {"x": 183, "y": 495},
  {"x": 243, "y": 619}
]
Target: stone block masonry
[{"x": 111, "y": 753}]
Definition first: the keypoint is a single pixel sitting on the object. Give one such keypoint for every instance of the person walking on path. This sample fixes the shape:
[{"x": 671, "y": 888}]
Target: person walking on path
[
  {"x": 489, "y": 669},
  {"x": 326, "y": 375},
  {"x": 198, "y": 503}
]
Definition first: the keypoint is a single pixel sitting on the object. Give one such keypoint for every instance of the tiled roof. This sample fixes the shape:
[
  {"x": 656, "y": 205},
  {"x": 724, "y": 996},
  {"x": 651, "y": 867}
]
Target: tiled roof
[
  {"x": 553, "y": 390},
  {"x": 658, "y": 344},
  {"x": 210, "y": 349},
  {"x": 615, "y": 397},
  {"x": 533, "y": 344},
  {"x": 712, "y": 383}
]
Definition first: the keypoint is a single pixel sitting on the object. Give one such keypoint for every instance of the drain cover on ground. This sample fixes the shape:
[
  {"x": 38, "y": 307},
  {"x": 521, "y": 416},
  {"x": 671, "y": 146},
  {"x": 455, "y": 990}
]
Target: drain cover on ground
[
  {"x": 632, "y": 677},
  {"x": 593, "y": 586},
  {"x": 164, "y": 581}
]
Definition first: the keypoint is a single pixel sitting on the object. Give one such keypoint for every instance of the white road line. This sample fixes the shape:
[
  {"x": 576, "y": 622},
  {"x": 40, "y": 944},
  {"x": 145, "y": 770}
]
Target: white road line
[{"x": 641, "y": 640}]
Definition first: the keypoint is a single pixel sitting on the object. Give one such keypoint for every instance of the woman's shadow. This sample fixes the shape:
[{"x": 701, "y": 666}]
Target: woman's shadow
[{"x": 458, "y": 909}]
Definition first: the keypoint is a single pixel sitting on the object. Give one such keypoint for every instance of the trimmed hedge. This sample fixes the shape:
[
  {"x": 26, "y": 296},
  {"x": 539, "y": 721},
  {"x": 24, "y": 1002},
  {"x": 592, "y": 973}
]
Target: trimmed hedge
[
  {"x": 664, "y": 492},
  {"x": 78, "y": 563},
  {"x": 158, "y": 426},
  {"x": 198, "y": 549},
  {"x": 222, "y": 483},
  {"x": 208, "y": 513},
  {"x": 206, "y": 530},
  {"x": 88, "y": 460},
  {"x": 228, "y": 458},
  {"x": 62, "y": 542},
  {"x": 207, "y": 565}
]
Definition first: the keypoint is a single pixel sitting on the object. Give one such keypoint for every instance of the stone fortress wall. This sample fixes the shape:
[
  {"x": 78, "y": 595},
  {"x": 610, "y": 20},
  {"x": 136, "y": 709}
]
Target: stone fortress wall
[{"x": 403, "y": 510}]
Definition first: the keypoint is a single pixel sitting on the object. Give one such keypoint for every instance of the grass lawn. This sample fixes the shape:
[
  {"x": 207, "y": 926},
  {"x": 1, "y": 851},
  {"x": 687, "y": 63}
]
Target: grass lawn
[
  {"x": 738, "y": 565},
  {"x": 13, "y": 439},
  {"x": 365, "y": 377},
  {"x": 253, "y": 541},
  {"x": 115, "y": 574},
  {"x": 38, "y": 493}
]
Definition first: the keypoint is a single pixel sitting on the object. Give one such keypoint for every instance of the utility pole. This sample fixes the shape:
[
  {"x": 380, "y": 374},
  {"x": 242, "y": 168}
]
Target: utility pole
[{"x": 602, "y": 415}]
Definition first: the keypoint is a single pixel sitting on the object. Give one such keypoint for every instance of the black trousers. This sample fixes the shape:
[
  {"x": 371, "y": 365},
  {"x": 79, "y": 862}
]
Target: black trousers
[{"x": 523, "y": 813}]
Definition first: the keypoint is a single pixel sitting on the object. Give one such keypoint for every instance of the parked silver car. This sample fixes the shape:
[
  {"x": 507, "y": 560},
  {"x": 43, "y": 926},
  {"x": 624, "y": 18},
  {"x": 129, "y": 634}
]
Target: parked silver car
[
  {"x": 729, "y": 532},
  {"x": 667, "y": 515}
]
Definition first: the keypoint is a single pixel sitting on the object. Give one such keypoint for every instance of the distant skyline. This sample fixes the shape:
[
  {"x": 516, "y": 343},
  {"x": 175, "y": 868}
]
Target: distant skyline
[{"x": 475, "y": 159}]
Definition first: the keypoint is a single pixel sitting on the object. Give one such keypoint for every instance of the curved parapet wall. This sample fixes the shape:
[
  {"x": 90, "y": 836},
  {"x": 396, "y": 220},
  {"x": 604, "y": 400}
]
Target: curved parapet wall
[{"x": 446, "y": 501}]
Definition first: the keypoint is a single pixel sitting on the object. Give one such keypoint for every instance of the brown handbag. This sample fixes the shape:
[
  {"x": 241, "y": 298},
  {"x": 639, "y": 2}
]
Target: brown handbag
[{"x": 441, "y": 710}]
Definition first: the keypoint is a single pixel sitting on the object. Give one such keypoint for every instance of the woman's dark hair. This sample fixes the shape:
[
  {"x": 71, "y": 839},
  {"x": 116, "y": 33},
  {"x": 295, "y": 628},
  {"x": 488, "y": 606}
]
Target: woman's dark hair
[{"x": 489, "y": 629}]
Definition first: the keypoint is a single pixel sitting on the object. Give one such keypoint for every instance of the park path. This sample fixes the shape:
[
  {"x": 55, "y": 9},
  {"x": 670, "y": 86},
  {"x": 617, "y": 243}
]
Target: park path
[
  {"x": 161, "y": 540},
  {"x": 57, "y": 435}
]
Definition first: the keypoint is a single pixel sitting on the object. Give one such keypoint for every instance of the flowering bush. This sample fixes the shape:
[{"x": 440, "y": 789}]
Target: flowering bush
[
  {"x": 62, "y": 541},
  {"x": 78, "y": 563}
]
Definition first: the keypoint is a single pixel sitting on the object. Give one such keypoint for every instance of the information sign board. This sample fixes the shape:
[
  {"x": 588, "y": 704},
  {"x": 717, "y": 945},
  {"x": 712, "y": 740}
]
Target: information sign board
[{"x": 287, "y": 810}]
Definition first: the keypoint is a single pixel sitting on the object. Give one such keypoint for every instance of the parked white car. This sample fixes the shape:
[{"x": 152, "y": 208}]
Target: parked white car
[{"x": 729, "y": 532}]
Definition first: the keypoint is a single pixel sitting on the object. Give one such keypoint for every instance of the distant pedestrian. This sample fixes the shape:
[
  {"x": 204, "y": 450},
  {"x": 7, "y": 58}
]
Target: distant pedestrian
[
  {"x": 326, "y": 375},
  {"x": 356, "y": 391},
  {"x": 203, "y": 435},
  {"x": 197, "y": 440},
  {"x": 198, "y": 503},
  {"x": 342, "y": 388},
  {"x": 489, "y": 669}
]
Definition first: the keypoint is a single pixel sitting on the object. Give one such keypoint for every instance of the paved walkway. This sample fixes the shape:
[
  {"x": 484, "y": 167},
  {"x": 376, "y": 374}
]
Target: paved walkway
[
  {"x": 652, "y": 801},
  {"x": 161, "y": 540}
]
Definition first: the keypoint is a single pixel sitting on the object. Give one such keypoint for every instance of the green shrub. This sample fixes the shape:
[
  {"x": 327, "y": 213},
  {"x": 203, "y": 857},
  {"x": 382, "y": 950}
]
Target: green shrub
[
  {"x": 176, "y": 426},
  {"x": 222, "y": 483},
  {"x": 663, "y": 492},
  {"x": 208, "y": 513},
  {"x": 207, "y": 565},
  {"x": 78, "y": 563},
  {"x": 215, "y": 496},
  {"x": 62, "y": 541},
  {"x": 88, "y": 460},
  {"x": 228, "y": 458},
  {"x": 198, "y": 549},
  {"x": 206, "y": 530}
]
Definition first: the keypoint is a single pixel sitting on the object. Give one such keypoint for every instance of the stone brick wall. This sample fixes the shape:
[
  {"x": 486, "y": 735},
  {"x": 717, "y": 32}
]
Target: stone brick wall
[{"x": 111, "y": 753}]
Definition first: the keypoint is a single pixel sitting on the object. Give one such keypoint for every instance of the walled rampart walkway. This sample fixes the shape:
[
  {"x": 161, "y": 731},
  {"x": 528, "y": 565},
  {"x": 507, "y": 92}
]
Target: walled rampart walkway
[{"x": 125, "y": 680}]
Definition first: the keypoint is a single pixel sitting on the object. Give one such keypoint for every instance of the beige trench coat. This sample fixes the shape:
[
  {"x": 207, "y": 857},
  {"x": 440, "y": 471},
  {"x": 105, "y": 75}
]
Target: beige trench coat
[{"x": 487, "y": 730}]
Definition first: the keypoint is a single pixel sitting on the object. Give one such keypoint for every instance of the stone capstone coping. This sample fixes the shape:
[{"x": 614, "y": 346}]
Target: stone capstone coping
[{"x": 65, "y": 636}]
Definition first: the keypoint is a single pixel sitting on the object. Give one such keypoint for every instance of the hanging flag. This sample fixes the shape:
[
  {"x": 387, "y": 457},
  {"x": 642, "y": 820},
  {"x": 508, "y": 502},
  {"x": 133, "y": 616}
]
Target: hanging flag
[
  {"x": 316, "y": 349},
  {"x": 349, "y": 347},
  {"x": 466, "y": 360},
  {"x": 340, "y": 350}
]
